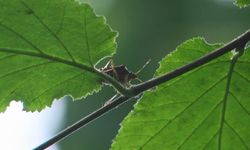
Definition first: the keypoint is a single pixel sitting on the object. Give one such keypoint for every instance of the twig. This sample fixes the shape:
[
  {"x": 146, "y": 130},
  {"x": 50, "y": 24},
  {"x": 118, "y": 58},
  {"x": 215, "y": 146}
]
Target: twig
[
  {"x": 83, "y": 122},
  {"x": 235, "y": 44}
]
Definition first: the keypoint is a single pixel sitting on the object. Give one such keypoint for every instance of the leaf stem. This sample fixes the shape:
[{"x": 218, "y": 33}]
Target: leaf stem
[
  {"x": 225, "y": 99},
  {"x": 238, "y": 43},
  {"x": 116, "y": 84},
  {"x": 84, "y": 121}
]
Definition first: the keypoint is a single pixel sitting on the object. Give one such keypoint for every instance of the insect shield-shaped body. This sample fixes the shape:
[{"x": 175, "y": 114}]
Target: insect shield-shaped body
[{"x": 120, "y": 73}]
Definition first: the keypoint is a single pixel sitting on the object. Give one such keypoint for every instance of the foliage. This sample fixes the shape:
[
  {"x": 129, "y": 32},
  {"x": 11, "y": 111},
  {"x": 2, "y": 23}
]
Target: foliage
[
  {"x": 47, "y": 53},
  {"x": 242, "y": 3},
  {"x": 198, "y": 110},
  {"x": 41, "y": 49}
]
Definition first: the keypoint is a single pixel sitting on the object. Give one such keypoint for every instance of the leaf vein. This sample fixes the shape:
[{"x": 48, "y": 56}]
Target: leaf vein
[
  {"x": 237, "y": 134},
  {"x": 191, "y": 73},
  {"x": 137, "y": 135},
  {"x": 21, "y": 37},
  {"x": 194, "y": 49},
  {"x": 87, "y": 40},
  {"x": 51, "y": 58},
  {"x": 50, "y": 31},
  {"x": 55, "y": 85},
  {"x": 62, "y": 20},
  {"x": 238, "y": 101},
  {"x": 7, "y": 57},
  {"x": 147, "y": 121},
  {"x": 225, "y": 99},
  {"x": 101, "y": 42},
  {"x": 211, "y": 139},
  {"x": 172, "y": 103},
  {"x": 197, "y": 99},
  {"x": 98, "y": 34},
  {"x": 24, "y": 68},
  {"x": 195, "y": 129},
  {"x": 243, "y": 77}
]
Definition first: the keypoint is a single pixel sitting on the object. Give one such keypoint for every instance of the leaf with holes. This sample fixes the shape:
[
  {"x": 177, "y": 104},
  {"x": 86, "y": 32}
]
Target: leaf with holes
[
  {"x": 48, "y": 49},
  {"x": 242, "y": 3},
  {"x": 208, "y": 108}
]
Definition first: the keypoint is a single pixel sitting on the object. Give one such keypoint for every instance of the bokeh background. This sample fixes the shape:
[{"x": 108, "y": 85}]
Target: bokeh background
[{"x": 149, "y": 30}]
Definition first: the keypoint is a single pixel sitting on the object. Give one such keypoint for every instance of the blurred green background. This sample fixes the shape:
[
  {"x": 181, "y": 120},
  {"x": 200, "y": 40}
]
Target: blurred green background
[{"x": 148, "y": 30}]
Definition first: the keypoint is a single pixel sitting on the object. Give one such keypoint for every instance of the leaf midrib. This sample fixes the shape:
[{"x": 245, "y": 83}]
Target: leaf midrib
[
  {"x": 98, "y": 73},
  {"x": 48, "y": 57},
  {"x": 225, "y": 99}
]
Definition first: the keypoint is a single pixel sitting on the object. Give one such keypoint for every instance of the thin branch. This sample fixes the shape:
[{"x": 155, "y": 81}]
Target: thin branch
[
  {"x": 104, "y": 76},
  {"x": 83, "y": 122},
  {"x": 235, "y": 44}
]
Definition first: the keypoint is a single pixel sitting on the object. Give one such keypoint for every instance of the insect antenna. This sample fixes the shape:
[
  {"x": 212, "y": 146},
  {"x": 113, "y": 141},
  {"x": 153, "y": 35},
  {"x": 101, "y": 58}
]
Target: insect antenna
[
  {"x": 138, "y": 79},
  {"x": 143, "y": 67}
]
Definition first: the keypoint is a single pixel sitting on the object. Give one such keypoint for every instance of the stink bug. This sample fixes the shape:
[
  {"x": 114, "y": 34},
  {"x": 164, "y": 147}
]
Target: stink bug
[{"x": 121, "y": 73}]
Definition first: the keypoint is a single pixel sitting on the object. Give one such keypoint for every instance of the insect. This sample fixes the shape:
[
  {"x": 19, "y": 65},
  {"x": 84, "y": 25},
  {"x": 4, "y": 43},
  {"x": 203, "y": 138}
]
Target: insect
[{"x": 121, "y": 73}]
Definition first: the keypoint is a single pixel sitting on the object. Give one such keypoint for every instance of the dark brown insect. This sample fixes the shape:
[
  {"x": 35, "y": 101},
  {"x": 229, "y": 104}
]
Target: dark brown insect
[{"x": 121, "y": 73}]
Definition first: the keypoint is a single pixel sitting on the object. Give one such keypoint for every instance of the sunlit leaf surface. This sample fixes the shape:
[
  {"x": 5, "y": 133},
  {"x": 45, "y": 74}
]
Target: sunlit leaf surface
[
  {"x": 202, "y": 109},
  {"x": 34, "y": 35},
  {"x": 242, "y": 3}
]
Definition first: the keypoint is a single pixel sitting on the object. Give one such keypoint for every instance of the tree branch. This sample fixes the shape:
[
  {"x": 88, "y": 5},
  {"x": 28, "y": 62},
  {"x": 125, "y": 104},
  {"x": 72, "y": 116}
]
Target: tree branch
[
  {"x": 137, "y": 89},
  {"x": 83, "y": 122},
  {"x": 236, "y": 43}
]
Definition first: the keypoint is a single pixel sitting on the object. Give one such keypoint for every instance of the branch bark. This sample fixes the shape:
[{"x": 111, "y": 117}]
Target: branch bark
[
  {"x": 83, "y": 122},
  {"x": 237, "y": 43}
]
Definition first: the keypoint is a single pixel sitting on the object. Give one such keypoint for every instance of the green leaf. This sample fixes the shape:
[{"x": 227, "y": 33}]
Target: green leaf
[
  {"x": 242, "y": 3},
  {"x": 208, "y": 108},
  {"x": 48, "y": 49}
]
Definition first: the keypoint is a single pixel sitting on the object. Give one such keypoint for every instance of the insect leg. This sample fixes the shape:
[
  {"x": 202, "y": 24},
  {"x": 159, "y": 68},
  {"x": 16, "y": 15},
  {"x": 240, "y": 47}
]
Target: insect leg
[
  {"x": 143, "y": 67},
  {"x": 113, "y": 69},
  {"x": 112, "y": 99}
]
